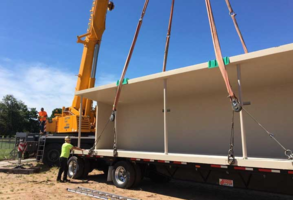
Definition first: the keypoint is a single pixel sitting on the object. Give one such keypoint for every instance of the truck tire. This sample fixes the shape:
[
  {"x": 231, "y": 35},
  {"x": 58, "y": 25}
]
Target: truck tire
[
  {"x": 123, "y": 174},
  {"x": 138, "y": 174},
  {"x": 75, "y": 167},
  {"x": 52, "y": 154}
]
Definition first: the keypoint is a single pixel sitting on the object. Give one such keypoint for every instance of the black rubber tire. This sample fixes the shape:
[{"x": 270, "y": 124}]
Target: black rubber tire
[
  {"x": 130, "y": 174},
  {"x": 79, "y": 172},
  {"x": 87, "y": 168},
  {"x": 52, "y": 155},
  {"x": 138, "y": 174}
]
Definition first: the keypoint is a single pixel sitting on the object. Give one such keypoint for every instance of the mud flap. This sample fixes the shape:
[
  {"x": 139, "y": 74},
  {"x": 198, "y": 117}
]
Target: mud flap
[{"x": 109, "y": 177}]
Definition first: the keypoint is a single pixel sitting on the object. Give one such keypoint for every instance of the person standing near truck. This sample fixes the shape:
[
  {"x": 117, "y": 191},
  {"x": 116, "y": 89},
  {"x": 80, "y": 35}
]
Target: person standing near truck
[
  {"x": 65, "y": 152},
  {"x": 42, "y": 118}
]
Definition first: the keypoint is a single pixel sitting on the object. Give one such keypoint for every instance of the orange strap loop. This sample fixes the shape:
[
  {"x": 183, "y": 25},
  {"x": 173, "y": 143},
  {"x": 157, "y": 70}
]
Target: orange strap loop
[
  {"x": 233, "y": 16},
  {"x": 217, "y": 49}
]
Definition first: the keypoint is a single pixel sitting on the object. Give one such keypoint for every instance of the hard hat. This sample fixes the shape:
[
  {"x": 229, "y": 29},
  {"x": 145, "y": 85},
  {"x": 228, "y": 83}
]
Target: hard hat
[{"x": 67, "y": 138}]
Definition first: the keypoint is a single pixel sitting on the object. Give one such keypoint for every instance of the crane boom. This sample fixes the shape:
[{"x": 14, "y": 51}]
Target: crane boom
[
  {"x": 92, "y": 41},
  {"x": 68, "y": 120}
]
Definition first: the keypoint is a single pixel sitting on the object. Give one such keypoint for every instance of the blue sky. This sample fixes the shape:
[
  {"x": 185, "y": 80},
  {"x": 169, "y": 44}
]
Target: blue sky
[{"x": 38, "y": 40}]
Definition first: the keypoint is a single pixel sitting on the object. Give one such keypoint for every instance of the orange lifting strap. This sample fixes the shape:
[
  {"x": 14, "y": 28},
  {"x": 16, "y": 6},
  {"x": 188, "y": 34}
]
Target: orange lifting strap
[
  {"x": 235, "y": 103},
  {"x": 233, "y": 16},
  {"x": 168, "y": 36},
  {"x": 116, "y": 100},
  {"x": 287, "y": 152}
]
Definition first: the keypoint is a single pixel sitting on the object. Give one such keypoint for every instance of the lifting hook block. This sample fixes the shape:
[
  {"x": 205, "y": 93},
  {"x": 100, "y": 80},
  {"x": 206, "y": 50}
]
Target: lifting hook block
[
  {"x": 236, "y": 106},
  {"x": 112, "y": 116},
  {"x": 231, "y": 158}
]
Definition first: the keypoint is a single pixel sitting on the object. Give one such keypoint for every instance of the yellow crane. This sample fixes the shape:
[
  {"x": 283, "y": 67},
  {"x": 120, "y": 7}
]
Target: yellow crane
[{"x": 67, "y": 121}]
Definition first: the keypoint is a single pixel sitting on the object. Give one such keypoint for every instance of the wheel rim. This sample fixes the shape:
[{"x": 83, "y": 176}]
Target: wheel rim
[
  {"x": 72, "y": 168},
  {"x": 120, "y": 175},
  {"x": 53, "y": 155}
]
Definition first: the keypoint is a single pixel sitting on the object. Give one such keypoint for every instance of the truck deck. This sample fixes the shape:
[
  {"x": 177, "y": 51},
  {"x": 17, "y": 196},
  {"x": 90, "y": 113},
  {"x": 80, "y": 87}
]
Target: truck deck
[{"x": 270, "y": 163}]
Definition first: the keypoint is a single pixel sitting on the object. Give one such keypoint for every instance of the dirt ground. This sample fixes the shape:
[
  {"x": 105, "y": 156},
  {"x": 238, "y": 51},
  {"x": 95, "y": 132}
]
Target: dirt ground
[{"x": 43, "y": 186}]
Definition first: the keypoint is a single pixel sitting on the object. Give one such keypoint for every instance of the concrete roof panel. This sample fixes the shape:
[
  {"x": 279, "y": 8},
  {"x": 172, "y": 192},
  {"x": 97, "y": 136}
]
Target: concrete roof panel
[{"x": 259, "y": 69}]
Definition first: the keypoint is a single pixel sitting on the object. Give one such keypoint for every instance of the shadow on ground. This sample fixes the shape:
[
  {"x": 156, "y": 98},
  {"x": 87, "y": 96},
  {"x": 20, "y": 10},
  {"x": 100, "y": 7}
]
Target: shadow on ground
[
  {"x": 43, "y": 168},
  {"x": 25, "y": 164},
  {"x": 198, "y": 191}
]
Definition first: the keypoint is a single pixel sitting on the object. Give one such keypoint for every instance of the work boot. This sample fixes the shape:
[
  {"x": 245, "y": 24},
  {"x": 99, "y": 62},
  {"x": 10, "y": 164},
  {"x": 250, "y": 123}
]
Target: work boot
[
  {"x": 59, "y": 181},
  {"x": 66, "y": 181}
]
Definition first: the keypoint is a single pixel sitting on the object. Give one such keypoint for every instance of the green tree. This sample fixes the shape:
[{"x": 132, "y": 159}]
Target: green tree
[{"x": 16, "y": 117}]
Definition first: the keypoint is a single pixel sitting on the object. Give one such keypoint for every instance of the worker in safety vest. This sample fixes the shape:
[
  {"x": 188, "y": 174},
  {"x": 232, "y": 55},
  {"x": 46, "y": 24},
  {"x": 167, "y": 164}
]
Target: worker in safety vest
[
  {"x": 42, "y": 117},
  {"x": 65, "y": 152}
]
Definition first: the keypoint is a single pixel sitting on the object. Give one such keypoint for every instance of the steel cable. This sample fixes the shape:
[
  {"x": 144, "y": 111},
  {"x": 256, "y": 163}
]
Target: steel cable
[{"x": 287, "y": 152}]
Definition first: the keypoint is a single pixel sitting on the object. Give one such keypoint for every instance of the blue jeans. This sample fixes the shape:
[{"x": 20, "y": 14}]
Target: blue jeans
[{"x": 42, "y": 125}]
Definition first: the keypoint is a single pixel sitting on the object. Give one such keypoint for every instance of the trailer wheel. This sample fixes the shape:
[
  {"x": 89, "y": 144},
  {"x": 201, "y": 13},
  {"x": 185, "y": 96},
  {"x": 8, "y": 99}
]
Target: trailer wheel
[
  {"x": 75, "y": 167},
  {"x": 123, "y": 174},
  {"x": 52, "y": 154}
]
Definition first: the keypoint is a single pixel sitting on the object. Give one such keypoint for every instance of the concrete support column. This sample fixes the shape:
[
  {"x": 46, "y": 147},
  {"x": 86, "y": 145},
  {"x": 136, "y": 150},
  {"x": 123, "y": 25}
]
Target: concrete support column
[
  {"x": 243, "y": 135},
  {"x": 165, "y": 119},
  {"x": 96, "y": 127}
]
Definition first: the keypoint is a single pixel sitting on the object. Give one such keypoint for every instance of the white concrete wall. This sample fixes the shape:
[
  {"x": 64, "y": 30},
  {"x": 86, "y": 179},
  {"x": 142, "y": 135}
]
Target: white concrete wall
[
  {"x": 201, "y": 124},
  {"x": 140, "y": 127},
  {"x": 107, "y": 138}
]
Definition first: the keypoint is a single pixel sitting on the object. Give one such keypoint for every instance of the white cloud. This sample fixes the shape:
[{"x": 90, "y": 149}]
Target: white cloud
[{"x": 39, "y": 85}]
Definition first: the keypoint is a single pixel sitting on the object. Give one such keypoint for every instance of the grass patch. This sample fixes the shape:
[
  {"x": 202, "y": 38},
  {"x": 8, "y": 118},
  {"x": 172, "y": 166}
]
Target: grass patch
[
  {"x": 6, "y": 146},
  {"x": 5, "y": 153}
]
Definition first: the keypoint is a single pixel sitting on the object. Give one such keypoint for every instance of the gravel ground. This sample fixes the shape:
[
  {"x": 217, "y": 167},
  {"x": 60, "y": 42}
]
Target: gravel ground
[{"x": 43, "y": 186}]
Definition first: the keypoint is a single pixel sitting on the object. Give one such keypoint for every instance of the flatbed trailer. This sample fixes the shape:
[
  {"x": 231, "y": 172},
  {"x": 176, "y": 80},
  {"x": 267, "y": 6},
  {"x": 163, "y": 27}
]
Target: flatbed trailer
[{"x": 191, "y": 140}]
